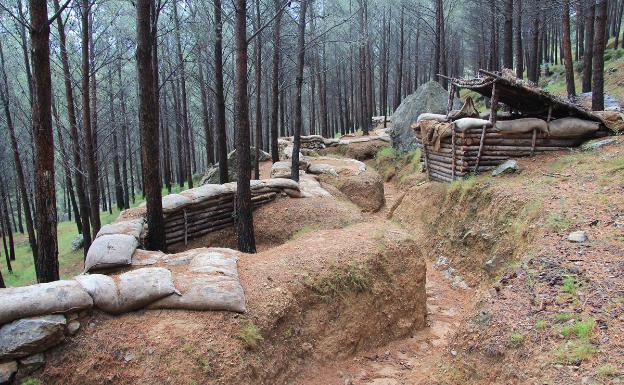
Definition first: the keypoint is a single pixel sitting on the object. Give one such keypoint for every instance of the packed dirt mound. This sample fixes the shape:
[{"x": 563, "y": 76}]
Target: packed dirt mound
[
  {"x": 365, "y": 189},
  {"x": 315, "y": 299},
  {"x": 283, "y": 219}
]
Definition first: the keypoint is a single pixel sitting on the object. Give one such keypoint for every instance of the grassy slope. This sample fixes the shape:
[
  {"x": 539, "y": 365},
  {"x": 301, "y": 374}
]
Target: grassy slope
[{"x": 70, "y": 262}]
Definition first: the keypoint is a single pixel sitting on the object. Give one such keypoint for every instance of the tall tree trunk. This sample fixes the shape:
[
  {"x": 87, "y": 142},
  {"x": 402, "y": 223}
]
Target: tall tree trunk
[
  {"x": 219, "y": 95},
  {"x": 258, "y": 73},
  {"x": 442, "y": 36},
  {"x": 119, "y": 194},
  {"x": 148, "y": 109},
  {"x": 4, "y": 212},
  {"x": 567, "y": 49},
  {"x": 275, "y": 77},
  {"x": 298, "y": 123},
  {"x": 508, "y": 35},
  {"x": 588, "y": 56},
  {"x": 399, "y": 72},
  {"x": 205, "y": 114},
  {"x": 244, "y": 218},
  {"x": 124, "y": 138},
  {"x": 598, "y": 60},
  {"x": 46, "y": 262},
  {"x": 92, "y": 171},
  {"x": 83, "y": 200},
  {"x": 21, "y": 181}
]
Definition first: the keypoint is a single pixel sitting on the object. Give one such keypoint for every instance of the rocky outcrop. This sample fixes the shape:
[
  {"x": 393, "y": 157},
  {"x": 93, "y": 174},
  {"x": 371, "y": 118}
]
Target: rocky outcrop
[
  {"x": 28, "y": 336},
  {"x": 429, "y": 97},
  {"x": 212, "y": 175}
]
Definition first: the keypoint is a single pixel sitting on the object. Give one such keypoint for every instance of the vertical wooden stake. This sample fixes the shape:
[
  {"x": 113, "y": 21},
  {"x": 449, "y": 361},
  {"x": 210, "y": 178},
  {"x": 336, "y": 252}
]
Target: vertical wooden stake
[
  {"x": 481, "y": 142},
  {"x": 451, "y": 92},
  {"x": 453, "y": 151},
  {"x": 493, "y": 104}
]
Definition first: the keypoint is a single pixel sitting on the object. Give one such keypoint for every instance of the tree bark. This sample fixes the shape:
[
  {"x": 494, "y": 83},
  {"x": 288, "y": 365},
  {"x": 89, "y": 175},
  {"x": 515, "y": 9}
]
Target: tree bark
[
  {"x": 258, "y": 75},
  {"x": 567, "y": 50},
  {"x": 46, "y": 262},
  {"x": 92, "y": 172},
  {"x": 588, "y": 56},
  {"x": 598, "y": 60},
  {"x": 205, "y": 115},
  {"x": 275, "y": 77},
  {"x": 244, "y": 219},
  {"x": 148, "y": 109},
  {"x": 219, "y": 95},
  {"x": 508, "y": 35},
  {"x": 298, "y": 123}
]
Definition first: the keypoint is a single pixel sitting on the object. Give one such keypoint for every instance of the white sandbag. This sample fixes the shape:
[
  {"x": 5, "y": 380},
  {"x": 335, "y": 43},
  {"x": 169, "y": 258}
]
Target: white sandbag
[
  {"x": 321, "y": 168},
  {"x": 293, "y": 193},
  {"x": 110, "y": 251},
  {"x": 280, "y": 170},
  {"x": 146, "y": 257},
  {"x": 214, "y": 261},
  {"x": 464, "y": 124},
  {"x": 281, "y": 183},
  {"x": 132, "y": 227},
  {"x": 204, "y": 292},
  {"x": 571, "y": 127},
  {"x": 128, "y": 291},
  {"x": 522, "y": 126},
  {"x": 173, "y": 202},
  {"x": 429, "y": 116},
  {"x": 331, "y": 142},
  {"x": 206, "y": 192},
  {"x": 43, "y": 298}
]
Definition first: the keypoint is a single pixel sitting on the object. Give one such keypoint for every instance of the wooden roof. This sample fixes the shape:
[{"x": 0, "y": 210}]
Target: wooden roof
[{"x": 522, "y": 96}]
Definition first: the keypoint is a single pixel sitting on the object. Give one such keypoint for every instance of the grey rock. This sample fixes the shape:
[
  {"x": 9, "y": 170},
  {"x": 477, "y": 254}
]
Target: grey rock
[
  {"x": 7, "y": 372},
  {"x": 129, "y": 356},
  {"x": 212, "y": 175},
  {"x": 596, "y": 144},
  {"x": 27, "y": 336},
  {"x": 441, "y": 263},
  {"x": 429, "y": 97},
  {"x": 610, "y": 103},
  {"x": 509, "y": 167},
  {"x": 73, "y": 327},
  {"x": 77, "y": 243},
  {"x": 31, "y": 363},
  {"x": 577, "y": 236},
  {"x": 490, "y": 264}
]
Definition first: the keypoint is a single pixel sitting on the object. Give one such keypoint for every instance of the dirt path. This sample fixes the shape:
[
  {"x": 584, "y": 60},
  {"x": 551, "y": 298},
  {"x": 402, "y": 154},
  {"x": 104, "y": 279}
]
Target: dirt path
[{"x": 407, "y": 361}]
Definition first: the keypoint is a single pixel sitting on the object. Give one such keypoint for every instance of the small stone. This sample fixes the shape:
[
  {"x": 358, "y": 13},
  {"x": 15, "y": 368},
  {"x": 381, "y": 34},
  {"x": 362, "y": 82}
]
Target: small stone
[
  {"x": 128, "y": 357},
  {"x": 150, "y": 351},
  {"x": 490, "y": 264},
  {"x": 26, "y": 336},
  {"x": 306, "y": 347},
  {"x": 31, "y": 363},
  {"x": 509, "y": 167},
  {"x": 453, "y": 353},
  {"x": 7, "y": 372},
  {"x": 72, "y": 327},
  {"x": 441, "y": 263},
  {"x": 596, "y": 144},
  {"x": 577, "y": 236},
  {"x": 77, "y": 243}
]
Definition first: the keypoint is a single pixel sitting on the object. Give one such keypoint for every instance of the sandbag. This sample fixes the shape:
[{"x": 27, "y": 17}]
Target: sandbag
[
  {"x": 43, "y": 298},
  {"x": 280, "y": 170},
  {"x": 128, "y": 291},
  {"x": 522, "y": 126},
  {"x": 206, "y": 192},
  {"x": 281, "y": 183},
  {"x": 204, "y": 292},
  {"x": 214, "y": 261},
  {"x": 132, "y": 227},
  {"x": 613, "y": 120},
  {"x": 571, "y": 127},
  {"x": 173, "y": 202},
  {"x": 430, "y": 116},
  {"x": 110, "y": 251},
  {"x": 146, "y": 257},
  {"x": 464, "y": 124},
  {"x": 468, "y": 110}
]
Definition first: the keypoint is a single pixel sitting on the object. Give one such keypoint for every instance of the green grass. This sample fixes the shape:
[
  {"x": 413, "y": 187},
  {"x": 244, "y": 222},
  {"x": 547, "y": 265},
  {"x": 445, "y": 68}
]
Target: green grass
[
  {"x": 564, "y": 317},
  {"x": 559, "y": 222},
  {"x": 570, "y": 286},
  {"x": 541, "y": 324},
  {"x": 70, "y": 262},
  {"x": 607, "y": 370},
  {"x": 250, "y": 335},
  {"x": 356, "y": 278},
  {"x": 516, "y": 339},
  {"x": 30, "y": 381},
  {"x": 574, "y": 352},
  {"x": 579, "y": 329}
]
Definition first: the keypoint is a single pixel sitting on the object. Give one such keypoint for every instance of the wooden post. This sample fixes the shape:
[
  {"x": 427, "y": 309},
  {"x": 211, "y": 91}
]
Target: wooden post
[
  {"x": 481, "y": 142},
  {"x": 493, "y": 104},
  {"x": 449, "y": 105},
  {"x": 453, "y": 151},
  {"x": 185, "y": 229},
  {"x": 426, "y": 158}
]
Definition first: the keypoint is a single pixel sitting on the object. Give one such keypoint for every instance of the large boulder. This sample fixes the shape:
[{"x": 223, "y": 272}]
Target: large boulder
[
  {"x": 212, "y": 175},
  {"x": 429, "y": 97},
  {"x": 27, "y": 336}
]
